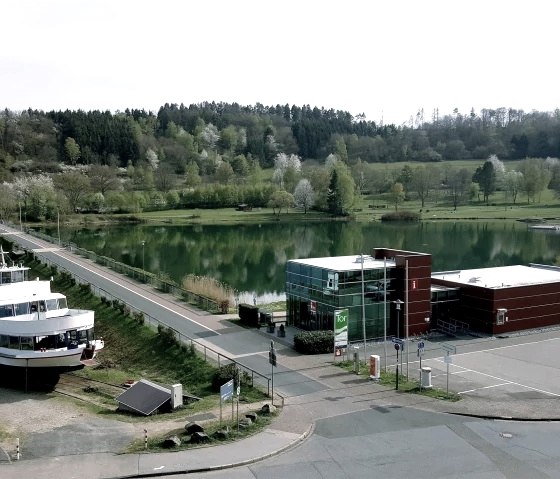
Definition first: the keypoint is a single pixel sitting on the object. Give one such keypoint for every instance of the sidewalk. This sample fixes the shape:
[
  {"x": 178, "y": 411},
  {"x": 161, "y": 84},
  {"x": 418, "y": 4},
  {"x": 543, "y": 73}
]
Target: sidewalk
[{"x": 292, "y": 426}]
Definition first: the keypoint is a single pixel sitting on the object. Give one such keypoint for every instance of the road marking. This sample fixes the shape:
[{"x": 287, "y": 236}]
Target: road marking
[
  {"x": 141, "y": 295},
  {"x": 497, "y": 378},
  {"x": 128, "y": 289},
  {"x": 485, "y": 387},
  {"x": 236, "y": 356}
]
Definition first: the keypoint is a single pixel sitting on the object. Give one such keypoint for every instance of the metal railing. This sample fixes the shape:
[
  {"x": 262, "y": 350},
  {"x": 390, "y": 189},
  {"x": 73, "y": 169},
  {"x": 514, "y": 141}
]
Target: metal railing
[{"x": 208, "y": 353}]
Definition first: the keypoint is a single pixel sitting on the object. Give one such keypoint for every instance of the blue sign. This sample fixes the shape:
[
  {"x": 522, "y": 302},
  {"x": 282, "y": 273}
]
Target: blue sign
[
  {"x": 226, "y": 390},
  {"x": 399, "y": 341},
  {"x": 421, "y": 345}
]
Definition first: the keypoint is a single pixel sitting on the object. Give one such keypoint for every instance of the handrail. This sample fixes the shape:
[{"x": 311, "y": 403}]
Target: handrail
[{"x": 152, "y": 321}]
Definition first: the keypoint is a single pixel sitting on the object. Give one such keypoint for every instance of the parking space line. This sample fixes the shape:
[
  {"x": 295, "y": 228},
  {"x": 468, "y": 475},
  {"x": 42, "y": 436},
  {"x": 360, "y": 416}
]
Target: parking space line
[
  {"x": 497, "y": 378},
  {"x": 485, "y": 387}
]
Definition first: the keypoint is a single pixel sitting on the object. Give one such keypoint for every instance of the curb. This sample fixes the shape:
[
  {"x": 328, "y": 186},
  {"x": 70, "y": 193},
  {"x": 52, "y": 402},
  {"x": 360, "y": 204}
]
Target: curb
[
  {"x": 219, "y": 467},
  {"x": 505, "y": 418}
]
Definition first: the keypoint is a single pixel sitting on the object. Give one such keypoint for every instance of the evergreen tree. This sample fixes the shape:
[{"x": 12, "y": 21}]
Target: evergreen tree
[{"x": 334, "y": 199}]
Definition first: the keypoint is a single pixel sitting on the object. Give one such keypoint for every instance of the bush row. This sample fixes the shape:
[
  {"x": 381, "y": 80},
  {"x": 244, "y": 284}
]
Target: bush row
[{"x": 314, "y": 342}]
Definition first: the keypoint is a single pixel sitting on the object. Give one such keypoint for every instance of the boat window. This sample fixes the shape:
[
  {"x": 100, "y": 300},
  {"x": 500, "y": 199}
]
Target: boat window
[
  {"x": 26, "y": 343},
  {"x": 52, "y": 304},
  {"x": 6, "y": 277},
  {"x": 62, "y": 303},
  {"x": 22, "y": 308},
  {"x": 60, "y": 340},
  {"x": 18, "y": 276},
  {"x": 42, "y": 307},
  {"x": 4, "y": 341},
  {"x": 13, "y": 342},
  {"x": 6, "y": 310}
]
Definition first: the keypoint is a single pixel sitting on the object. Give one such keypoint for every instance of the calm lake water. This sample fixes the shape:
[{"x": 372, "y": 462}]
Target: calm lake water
[{"x": 252, "y": 258}]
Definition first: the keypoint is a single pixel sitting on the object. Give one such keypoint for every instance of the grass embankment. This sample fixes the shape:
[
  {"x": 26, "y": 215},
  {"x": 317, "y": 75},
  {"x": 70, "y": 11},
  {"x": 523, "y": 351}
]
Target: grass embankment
[
  {"x": 372, "y": 208},
  {"x": 407, "y": 386},
  {"x": 134, "y": 351}
]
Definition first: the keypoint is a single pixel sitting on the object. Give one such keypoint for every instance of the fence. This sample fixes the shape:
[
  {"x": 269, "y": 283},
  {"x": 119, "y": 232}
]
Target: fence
[
  {"x": 208, "y": 353},
  {"x": 159, "y": 283}
]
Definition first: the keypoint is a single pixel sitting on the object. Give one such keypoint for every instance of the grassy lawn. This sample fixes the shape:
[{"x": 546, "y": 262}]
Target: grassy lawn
[{"x": 410, "y": 386}]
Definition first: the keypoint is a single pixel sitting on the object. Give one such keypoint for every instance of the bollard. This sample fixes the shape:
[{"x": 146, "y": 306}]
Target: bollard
[
  {"x": 356, "y": 360},
  {"x": 17, "y": 449},
  {"x": 145, "y": 439}
]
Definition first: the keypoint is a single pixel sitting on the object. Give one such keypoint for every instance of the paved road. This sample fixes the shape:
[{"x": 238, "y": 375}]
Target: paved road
[{"x": 247, "y": 347}]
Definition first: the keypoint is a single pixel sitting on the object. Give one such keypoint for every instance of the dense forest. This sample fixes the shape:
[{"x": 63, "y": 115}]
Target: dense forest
[
  {"x": 179, "y": 134},
  {"x": 213, "y": 154}
]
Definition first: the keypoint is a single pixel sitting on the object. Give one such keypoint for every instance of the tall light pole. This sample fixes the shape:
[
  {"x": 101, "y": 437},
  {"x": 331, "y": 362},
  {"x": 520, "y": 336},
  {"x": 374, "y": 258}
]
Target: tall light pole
[
  {"x": 143, "y": 264},
  {"x": 385, "y": 310},
  {"x": 398, "y": 303},
  {"x": 363, "y": 309}
]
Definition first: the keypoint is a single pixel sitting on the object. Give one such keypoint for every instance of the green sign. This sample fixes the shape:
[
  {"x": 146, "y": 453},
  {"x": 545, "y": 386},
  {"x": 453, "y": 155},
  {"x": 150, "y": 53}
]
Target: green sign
[{"x": 341, "y": 328}]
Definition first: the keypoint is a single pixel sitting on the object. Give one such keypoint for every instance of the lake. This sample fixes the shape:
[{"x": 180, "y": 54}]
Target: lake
[{"x": 252, "y": 258}]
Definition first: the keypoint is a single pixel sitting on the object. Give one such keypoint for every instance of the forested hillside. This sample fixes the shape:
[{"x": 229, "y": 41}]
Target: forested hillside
[{"x": 214, "y": 154}]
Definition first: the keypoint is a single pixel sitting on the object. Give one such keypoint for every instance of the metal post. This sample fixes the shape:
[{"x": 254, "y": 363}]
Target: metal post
[
  {"x": 406, "y": 315},
  {"x": 17, "y": 449},
  {"x": 363, "y": 310},
  {"x": 397, "y": 383},
  {"x": 272, "y": 375},
  {"x": 385, "y": 311},
  {"x": 447, "y": 380},
  {"x": 143, "y": 264},
  {"x": 145, "y": 439}
]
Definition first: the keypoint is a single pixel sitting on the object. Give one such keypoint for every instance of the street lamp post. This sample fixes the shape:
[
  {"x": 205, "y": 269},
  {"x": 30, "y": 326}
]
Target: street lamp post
[
  {"x": 398, "y": 303},
  {"x": 143, "y": 264},
  {"x": 363, "y": 310}
]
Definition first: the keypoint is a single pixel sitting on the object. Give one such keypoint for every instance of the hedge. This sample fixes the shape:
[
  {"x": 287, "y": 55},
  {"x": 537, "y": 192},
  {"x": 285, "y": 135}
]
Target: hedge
[{"x": 314, "y": 342}]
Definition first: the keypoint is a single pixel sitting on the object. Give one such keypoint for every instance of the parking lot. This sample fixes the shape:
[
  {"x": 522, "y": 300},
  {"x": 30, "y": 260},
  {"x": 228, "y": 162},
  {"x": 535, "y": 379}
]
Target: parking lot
[{"x": 516, "y": 367}]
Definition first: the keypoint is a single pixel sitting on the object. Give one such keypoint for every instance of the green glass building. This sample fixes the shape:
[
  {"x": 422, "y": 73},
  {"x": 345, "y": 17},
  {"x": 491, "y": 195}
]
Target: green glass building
[{"x": 317, "y": 287}]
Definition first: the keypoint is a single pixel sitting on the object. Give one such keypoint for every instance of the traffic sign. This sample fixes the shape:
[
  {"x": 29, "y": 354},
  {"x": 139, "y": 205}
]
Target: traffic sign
[
  {"x": 272, "y": 356},
  {"x": 450, "y": 348},
  {"x": 420, "y": 344},
  {"x": 448, "y": 359},
  {"x": 398, "y": 341},
  {"x": 226, "y": 390}
]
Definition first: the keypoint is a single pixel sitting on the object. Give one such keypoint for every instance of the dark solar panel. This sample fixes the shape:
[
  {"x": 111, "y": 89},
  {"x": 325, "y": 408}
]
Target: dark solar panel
[{"x": 144, "y": 397}]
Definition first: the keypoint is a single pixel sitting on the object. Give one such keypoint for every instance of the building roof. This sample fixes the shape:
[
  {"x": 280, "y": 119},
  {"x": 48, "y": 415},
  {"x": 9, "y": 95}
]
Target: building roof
[
  {"x": 345, "y": 263},
  {"x": 502, "y": 277}
]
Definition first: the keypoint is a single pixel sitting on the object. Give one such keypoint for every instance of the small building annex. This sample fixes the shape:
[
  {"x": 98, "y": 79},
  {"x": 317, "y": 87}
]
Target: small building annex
[{"x": 504, "y": 299}]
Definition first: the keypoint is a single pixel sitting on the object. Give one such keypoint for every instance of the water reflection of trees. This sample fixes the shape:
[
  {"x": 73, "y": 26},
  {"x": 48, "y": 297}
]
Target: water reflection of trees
[{"x": 253, "y": 257}]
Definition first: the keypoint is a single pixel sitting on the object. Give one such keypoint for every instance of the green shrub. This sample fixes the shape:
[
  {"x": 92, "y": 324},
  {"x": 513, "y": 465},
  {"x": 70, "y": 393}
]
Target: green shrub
[
  {"x": 167, "y": 336},
  {"x": 401, "y": 216},
  {"x": 314, "y": 342},
  {"x": 139, "y": 318},
  {"x": 228, "y": 372}
]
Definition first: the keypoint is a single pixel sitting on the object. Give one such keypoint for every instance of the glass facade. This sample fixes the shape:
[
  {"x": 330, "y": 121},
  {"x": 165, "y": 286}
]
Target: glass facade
[{"x": 313, "y": 294}]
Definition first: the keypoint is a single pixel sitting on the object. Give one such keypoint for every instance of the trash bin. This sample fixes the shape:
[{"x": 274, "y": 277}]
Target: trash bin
[
  {"x": 271, "y": 327},
  {"x": 426, "y": 378}
]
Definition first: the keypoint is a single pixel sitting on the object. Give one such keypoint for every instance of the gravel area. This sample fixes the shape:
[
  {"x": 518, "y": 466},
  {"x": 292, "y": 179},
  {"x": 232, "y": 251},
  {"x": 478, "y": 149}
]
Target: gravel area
[{"x": 30, "y": 413}]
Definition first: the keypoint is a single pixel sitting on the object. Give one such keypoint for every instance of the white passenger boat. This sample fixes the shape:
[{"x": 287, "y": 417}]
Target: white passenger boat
[{"x": 37, "y": 329}]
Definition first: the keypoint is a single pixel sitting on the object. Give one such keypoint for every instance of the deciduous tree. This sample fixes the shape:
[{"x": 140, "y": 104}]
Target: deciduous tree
[{"x": 304, "y": 196}]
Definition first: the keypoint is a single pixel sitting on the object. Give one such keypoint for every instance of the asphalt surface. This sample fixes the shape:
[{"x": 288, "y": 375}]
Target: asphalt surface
[{"x": 350, "y": 424}]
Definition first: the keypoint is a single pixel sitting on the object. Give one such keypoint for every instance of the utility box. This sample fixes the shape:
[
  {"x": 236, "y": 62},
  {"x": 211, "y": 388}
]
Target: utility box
[
  {"x": 374, "y": 363},
  {"x": 426, "y": 378},
  {"x": 176, "y": 395}
]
